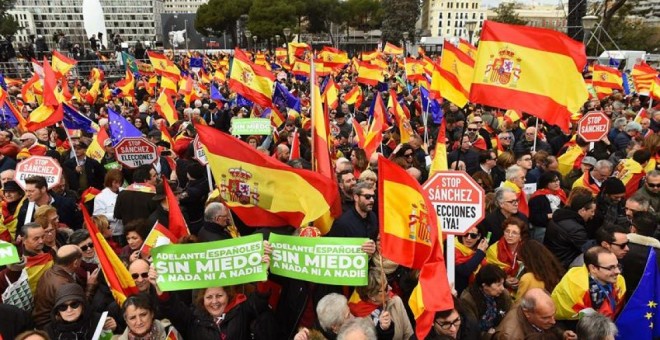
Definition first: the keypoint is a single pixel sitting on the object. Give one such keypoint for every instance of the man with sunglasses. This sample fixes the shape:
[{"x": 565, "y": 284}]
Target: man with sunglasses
[
  {"x": 611, "y": 237},
  {"x": 651, "y": 189},
  {"x": 67, "y": 261},
  {"x": 359, "y": 220}
]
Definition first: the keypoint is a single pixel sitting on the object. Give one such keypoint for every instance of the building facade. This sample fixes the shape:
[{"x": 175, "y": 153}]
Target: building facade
[
  {"x": 182, "y": 6},
  {"x": 551, "y": 17},
  {"x": 447, "y": 18},
  {"x": 649, "y": 10},
  {"x": 132, "y": 19}
]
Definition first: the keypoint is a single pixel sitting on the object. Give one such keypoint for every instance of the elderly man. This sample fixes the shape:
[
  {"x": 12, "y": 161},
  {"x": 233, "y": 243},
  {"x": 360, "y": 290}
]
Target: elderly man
[
  {"x": 632, "y": 130},
  {"x": 651, "y": 189},
  {"x": 506, "y": 201},
  {"x": 515, "y": 180},
  {"x": 534, "y": 316},
  {"x": 597, "y": 285},
  {"x": 217, "y": 224},
  {"x": 636, "y": 203},
  {"x": 593, "y": 180},
  {"x": 527, "y": 143},
  {"x": 139, "y": 270},
  {"x": 30, "y": 146}
]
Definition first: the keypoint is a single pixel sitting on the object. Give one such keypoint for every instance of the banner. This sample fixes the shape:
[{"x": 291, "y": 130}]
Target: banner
[
  {"x": 210, "y": 264},
  {"x": 326, "y": 260},
  {"x": 8, "y": 253},
  {"x": 250, "y": 126}
]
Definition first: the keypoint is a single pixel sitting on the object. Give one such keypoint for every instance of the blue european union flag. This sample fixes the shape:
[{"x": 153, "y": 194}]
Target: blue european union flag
[
  {"x": 243, "y": 102},
  {"x": 283, "y": 98},
  {"x": 431, "y": 106},
  {"x": 640, "y": 318},
  {"x": 3, "y": 84},
  {"x": 614, "y": 62},
  {"x": 120, "y": 128},
  {"x": 196, "y": 63},
  {"x": 7, "y": 117},
  {"x": 626, "y": 84},
  {"x": 76, "y": 121},
  {"x": 216, "y": 95}
]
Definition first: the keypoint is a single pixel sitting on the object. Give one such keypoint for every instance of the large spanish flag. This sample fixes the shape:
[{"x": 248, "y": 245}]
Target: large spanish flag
[
  {"x": 456, "y": 70},
  {"x": 62, "y": 64},
  {"x": 540, "y": 68},
  {"x": 261, "y": 190},
  {"x": 440, "y": 159},
  {"x": 165, "y": 107},
  {"x": 119, "y": 279},
  {"x": 369, "y": 74},
  {"x": 163, "y": 65},
  {"x": 392, "y": 49},
  {"x": 251, "y": 81},
  {"x": 643, "y": 75}
]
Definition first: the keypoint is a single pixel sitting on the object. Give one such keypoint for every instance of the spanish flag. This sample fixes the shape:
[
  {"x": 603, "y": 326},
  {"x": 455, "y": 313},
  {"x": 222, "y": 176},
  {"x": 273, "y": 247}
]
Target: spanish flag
[
  {"x": 127, "y": 86},
  {"x": 119, "y": 279},
  {"x": 333, "y": 57},
  {"x": 366, "y": 56},
  {"x": 440, "y": 159},
  {"x": 392, "y": 49},
  {"x": 96, "y": 149},
  {"x": 570, "y": 159},
  {"x": 297, "y": 50},
  {"x": 165, "y": 135},
  {"x": 251, "y": 81},
  {"x": 631, "y": 174},
  {"x": 375, "y": 135},
  {"x": 177, "y": 224},
  {"x": 301, "y": 68},
  {"x": 321, "y": 69},
  {"x": 44, "y": 116},
  {"x": 88, "y": 195},
  {"x": 466, "y": 48},
  {"x": 523, "y": 208},
  {"x": 163, "y": 65},
  {"x": 571, "y": 295},
  {"x": 402, "y": 121},
  {"x": 331, "y": 94},
  {"x": 643, "y": 75},
  {"x": 158, "y": 236},
  {"x": 436, "y": 80},
  {"x": 457, "y": 71},
  {"x": 540, "y": 68},
  {"x": 369, "y": 74},
  {"x": 165, "y": 107},
  {"x": 62, "y": 64},
  {"x": 358, "y": 138},
  {"x": 414, "y": 70},
  {"x": 354, "y": 96},
  {"x": 605, "y": 79},
  {"x": 280, "y": 53},
  {"x": 654, "y": 91},
  {"x": 35, "y": 267},
  {"x": 261, "y": 190}
]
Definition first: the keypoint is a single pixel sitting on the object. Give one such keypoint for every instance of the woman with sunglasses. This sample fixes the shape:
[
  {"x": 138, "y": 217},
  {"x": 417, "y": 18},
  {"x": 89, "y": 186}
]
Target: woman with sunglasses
[
  {"x": 504, "y": 252},
  {"x": 90, "y": 262},
  {"x": 72, "y": 319},
  {"x": 470, "y": 256}
]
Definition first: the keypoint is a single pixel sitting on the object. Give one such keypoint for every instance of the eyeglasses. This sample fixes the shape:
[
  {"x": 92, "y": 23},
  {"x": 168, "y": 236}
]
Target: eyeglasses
[
  {"x": 514, "y": 202},
  {"x": 653, "y": 185},
  {"x": 447, "y": 325},
  {"x": 478, "y": 122},
  {"x": 368, "y": 197},
  {"x": 505, "y": 138},
  {"x": 620, "y": 245},
  {"x": 64, "y": 307},
  {"x": 611, "y": 268},
  {"x": 473, "y": 235},
  {"x": 408, "y": 155},
  {"x": 511, "y": 233},
  {"x": 87, "y": 246},
  {"x": 136, "y": 275},
  {"x": 472, "y": 129}
]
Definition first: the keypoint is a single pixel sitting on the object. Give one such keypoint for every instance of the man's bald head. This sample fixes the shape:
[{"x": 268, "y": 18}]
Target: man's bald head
[
  {"x": 539, "y": 309},
  {"x": 67, "y": 255},
  {"x": 415, "y": 173}
]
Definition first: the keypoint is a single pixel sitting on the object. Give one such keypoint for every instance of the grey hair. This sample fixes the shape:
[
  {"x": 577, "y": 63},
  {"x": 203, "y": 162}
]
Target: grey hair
[
  {"x": 28, "y": 226},
  {"x": 528, "y": 303},
  {"x": 618, "y": 105},
  {"x": 331, "y": 310},
  {"x": 512, "y": 172},
  {"x": 357, "y": 189},
  {"x": 213, "y": 210},
  {"x": 653, "y": 173},
  {"x": 633, "y": 126},
  {"x": 595, "y": 326},
  {"x": 604, "y": 163},
  {"x": 619, "y": 123},
  {"x": 643, "y": 202},
  {"x": 362, "y": 325},
  {"x": 499, "y": 195}
]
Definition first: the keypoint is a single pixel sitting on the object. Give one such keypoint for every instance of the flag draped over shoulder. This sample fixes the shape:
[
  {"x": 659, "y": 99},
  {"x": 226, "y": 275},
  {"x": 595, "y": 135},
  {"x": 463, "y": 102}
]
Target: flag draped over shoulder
[
  {"x": 261, "y": 190},
  {"x": 251, "y": 81},
  {"x": 119, "y": 279},
  {"x": 406, "y": 216},
  {"x": 540, "y": 68},
  {"x": 640, "y": 316}
]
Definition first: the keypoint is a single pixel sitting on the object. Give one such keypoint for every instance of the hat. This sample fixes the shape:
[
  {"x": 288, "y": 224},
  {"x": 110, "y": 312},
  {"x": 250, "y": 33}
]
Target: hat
[
  {"x": 160, "y": 190},
  {"x": 580, "y": 201},
  {"x": 196, "y": 170},
  {"x": 11, "y": 186},
  {"x": 613, "y": 186},
  {"x": 589, "y": 160},
  {"x": 69, "y": 292}
]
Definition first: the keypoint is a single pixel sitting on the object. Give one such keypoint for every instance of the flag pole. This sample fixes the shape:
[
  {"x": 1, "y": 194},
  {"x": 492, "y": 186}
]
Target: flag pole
[
  {"x": 384, "y": 283},
  {"x": 68, "y": 137},
  {"x": 312, "y": 103},
  {"x": 536, "y": 133}
]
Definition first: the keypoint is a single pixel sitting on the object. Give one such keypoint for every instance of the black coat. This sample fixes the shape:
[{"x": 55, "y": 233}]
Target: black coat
[
  {"x": 566, "y": 235},
  {"x": 635, "y": 260},
  {"x": 493, "y": 223},
  {"x": 351, "y": 224},
  {"x": 212, "y": 232},
  {"x": 94, "y": 171},
  {"x": 67, "y": 210}
]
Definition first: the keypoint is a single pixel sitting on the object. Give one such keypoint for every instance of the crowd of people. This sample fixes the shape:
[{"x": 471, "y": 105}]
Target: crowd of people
[{"x": 563, "y": 245}]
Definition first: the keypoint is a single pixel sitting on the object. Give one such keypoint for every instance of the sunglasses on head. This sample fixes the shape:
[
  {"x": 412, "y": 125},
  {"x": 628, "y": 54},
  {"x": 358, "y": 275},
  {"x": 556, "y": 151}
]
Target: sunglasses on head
[
  {"x": 136, "y": 275},
  {"x": 87, "y": 246},
  {"x": 64, "y": 307}
]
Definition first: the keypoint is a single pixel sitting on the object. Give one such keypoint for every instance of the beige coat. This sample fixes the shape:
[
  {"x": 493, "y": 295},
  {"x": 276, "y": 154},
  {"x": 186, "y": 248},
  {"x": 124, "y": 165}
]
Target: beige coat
[{"x": 402, "y": 328}]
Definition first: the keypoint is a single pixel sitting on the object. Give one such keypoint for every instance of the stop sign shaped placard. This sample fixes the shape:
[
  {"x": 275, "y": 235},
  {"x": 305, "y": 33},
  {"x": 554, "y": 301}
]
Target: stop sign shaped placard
[
  {"x": 135, "y": 151},
  {"x": 46, "y": 167},
  {"x": 594, "y": 126},
  {"x": 199, "y": 153},
  {"x": 457, "y": 200}
]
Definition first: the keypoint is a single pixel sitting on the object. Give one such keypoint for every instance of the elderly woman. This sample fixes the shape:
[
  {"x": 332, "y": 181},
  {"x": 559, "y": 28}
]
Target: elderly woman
[
  {"x": 373, "y": 297},
  {"x": 71, "y": 318},
  {"x": 333, "y": 312},
  {"x": 138, "y": 311},
  {"x": 486, "y": 300},
  {"x": 504, "y": 253},
  {"x": 470, "y": 256},
  {"x": 47, "y": 217}
]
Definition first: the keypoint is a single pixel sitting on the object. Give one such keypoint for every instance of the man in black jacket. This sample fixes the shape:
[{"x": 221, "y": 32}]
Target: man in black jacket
[
  {"x": 217, "y": 224},
  {"x": 566, "y": 234},
  {"x": 83, "y": 172},
  {"x": 506, "y": 201},
  {"x": 36, "y": 191},
  {"x": 640, "y": 241}
]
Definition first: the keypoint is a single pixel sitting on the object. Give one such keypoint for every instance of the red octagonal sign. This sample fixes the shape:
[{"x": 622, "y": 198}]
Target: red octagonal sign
[
  {"x": 135, "y": 151},
  {"x": 594, "y": 126},
  {"x": 43, "y": 166},
  {"x": 457, "y": 200}
]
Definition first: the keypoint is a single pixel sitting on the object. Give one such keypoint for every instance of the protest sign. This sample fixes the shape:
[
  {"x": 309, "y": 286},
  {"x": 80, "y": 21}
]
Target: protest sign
[
  {"x": 210, "y": 264},
  {"x": 8, "y": 253},
  {"x": 327, "y": 260},
  {"x": 46, "y": 167},
  {"x": 251, "y": 126}
]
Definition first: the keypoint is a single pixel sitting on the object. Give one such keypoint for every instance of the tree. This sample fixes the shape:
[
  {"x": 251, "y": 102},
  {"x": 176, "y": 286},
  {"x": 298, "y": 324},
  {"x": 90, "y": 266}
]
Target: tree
[
  {"x": 399, "y": 16},
  {"x": 219, "y": 16},
  {"x": 8, "y": 25},
  {"x": 506, "y": 14},
  {"x": 364, "y": 15},
  {"x": 268, "y": 17},
  {"x": 627, "y": 32}
]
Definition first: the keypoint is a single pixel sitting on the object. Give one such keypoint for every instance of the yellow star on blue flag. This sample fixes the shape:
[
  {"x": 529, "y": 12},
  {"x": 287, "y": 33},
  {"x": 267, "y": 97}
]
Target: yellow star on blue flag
[{"x": 641, "y": 308}]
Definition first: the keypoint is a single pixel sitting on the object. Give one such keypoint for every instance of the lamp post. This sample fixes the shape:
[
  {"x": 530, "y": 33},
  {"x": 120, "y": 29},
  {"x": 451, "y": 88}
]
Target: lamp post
[
  {"x": 204, "y": 45},
  {"x": 405, "y": 43},
  {"x": 248, "y": 35},
  {"x": 185, "y": 29},
  {"x": 287, "y": 32},
  {"x": 470, "y": 26},
  {"x": 366, "y": 40},
  {"x": 254, "y": 37},
  {"x": 589, "y": 22},
  {"x": 277, "y": 40}
]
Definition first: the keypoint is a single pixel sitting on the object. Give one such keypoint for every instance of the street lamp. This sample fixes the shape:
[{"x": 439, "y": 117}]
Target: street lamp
[
  {"x": 277, "y": 40},
  {"x": 589, "y": 22},
  {"x": 248, "y": 35},
  {"x": 254, "y": 37},
  {"x": 470, "y": 26},
  {"x": 203, "y": 45},
  {"x": 405, "y": 43},
  {"x": 366, "y": 40}
]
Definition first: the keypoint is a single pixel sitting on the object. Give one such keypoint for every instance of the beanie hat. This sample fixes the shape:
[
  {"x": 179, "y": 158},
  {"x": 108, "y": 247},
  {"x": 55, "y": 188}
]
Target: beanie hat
[
  {"x": 613, "y": 186},
  {"x": 69, "y": 292}
]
